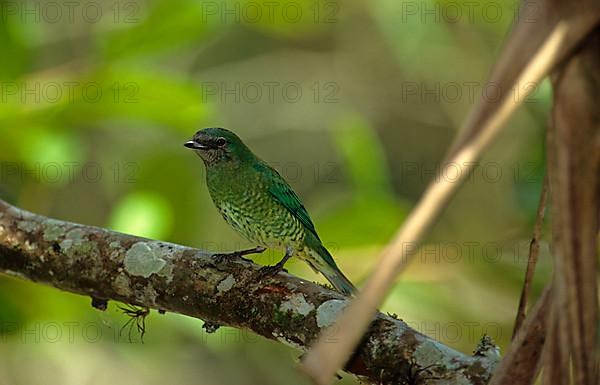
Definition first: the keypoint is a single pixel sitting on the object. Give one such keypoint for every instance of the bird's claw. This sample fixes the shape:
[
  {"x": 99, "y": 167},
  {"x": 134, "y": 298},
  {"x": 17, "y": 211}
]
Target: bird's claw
[
  {"x": 221, "y": 257},
  {"x": 269, "y": 271}
]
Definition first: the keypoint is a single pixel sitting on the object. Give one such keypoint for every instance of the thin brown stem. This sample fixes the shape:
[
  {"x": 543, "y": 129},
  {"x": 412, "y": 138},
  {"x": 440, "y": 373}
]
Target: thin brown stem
[{"x": 534, "y": 252}]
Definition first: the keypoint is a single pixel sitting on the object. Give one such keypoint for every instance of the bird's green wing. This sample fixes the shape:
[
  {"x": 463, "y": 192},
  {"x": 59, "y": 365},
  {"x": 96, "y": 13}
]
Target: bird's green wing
[{"x": 284, "y": 194}]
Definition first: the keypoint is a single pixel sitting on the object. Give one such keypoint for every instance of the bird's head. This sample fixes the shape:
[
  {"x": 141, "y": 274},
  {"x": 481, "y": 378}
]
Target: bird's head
[{"x": 215, "y": 145}]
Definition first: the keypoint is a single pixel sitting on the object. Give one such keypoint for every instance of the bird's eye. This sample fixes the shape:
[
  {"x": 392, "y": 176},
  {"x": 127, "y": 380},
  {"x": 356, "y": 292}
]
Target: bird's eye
[{"x": 221, "y": 142}]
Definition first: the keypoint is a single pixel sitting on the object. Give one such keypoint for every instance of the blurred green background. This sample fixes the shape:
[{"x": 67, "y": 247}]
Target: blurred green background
[{"x": 353, "y": 102}]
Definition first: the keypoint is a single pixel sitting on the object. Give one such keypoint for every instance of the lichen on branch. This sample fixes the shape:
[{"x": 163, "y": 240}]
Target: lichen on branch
[{"x": 108, "y": 265}]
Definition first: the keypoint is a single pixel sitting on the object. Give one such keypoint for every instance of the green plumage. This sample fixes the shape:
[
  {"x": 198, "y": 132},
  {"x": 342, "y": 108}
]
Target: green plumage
[{"x": 257, "y": 202}]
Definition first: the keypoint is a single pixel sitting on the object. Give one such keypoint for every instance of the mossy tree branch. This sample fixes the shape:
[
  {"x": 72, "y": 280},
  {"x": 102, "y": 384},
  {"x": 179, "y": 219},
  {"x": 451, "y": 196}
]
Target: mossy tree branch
[{"x": 107, "y": 265}]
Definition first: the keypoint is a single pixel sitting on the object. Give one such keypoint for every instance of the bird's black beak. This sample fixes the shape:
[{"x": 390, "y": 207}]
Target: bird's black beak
[{"x": 194, "y": 145}]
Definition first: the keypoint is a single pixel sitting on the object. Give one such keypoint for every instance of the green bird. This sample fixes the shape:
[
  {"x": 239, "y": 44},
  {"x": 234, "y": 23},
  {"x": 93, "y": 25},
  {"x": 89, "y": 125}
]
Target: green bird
[{"x": 257, "y": 202}]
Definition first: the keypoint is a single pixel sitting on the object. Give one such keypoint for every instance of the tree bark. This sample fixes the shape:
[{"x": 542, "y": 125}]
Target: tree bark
[
  {"x": 574, "y": 171},
  {"x": 107, "y": 265}
]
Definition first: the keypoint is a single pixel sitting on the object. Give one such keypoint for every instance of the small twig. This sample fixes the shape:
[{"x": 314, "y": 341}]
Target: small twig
[{"x": 534, "y": 252}]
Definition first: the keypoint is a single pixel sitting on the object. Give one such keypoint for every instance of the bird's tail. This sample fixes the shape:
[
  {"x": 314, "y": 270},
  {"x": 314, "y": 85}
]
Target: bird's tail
[{"x": 324, "y": 263}]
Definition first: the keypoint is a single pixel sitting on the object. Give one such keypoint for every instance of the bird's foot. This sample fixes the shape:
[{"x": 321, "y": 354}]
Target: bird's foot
[
  {"x": 269, "y": 271},
  {"x": 238, "y": 254}
]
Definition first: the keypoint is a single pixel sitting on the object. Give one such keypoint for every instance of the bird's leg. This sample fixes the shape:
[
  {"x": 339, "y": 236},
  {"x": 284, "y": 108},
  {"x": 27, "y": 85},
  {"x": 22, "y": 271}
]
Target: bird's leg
[
  {"x": 239, "y": 254},
  {"x": 267, "y": 271}
]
